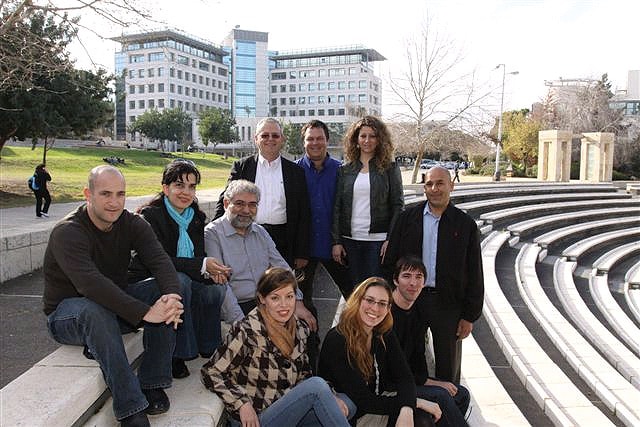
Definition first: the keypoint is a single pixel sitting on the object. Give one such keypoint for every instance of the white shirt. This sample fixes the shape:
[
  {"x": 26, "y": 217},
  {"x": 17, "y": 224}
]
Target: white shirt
[
  {"x": 273, "y": 202},
  {"x": 361, "y": 211}
]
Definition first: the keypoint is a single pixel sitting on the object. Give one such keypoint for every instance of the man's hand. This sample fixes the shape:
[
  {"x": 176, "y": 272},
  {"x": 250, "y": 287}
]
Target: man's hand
[
  {"x": 299, "y": 263},
  {"x": 304, "y": 314},
  {"x": 405, "y": 417},
  {"x": 430, "y": 407},
  {"x": 464, "y": 329},
  {"x": 167, "y": 309},
  {"x": 343, "y": 406},
  {"x": 248, "y": 416},
  {"x": 450, "y": 387},
  {"x": 338, "y": 253},
  {"x": 383, "y": 249},
  {"x": 218, "y": 272}
]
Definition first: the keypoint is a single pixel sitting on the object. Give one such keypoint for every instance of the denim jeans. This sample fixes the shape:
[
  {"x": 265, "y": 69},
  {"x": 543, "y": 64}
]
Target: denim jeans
[
  {"x": 363, "y": 258},
  {"x": 199, "y": 331},
  {"x": 453, "y": 408},
  {"x": 310, "y": 403},
  {"x": 80, "y": 321}
]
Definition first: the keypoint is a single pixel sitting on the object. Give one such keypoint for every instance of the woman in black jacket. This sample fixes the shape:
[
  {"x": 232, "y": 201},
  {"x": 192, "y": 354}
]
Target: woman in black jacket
[
  {"x": 361, "y": 357},
  {"x": 39, "y": 188},
  {"x": 179, "y": 223},
  {"x": 369, "y": 198}
]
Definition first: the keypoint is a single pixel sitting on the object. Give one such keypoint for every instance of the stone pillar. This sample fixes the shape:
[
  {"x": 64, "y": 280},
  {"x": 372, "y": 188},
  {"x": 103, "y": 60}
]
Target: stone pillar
[
  {"x": 554, "y": 155},
  {"x": 596, "y": 157}
]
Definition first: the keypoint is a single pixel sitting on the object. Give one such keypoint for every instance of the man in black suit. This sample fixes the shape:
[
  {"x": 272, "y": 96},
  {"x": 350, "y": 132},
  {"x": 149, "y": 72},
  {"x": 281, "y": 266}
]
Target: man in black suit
[
  {"x": 284, "y": 203},
  {"x": 448, "y": 242}
]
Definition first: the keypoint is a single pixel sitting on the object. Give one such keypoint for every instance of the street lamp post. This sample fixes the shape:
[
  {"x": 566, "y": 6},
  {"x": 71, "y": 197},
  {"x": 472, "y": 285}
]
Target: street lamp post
[{"x": 496, "y": 175}]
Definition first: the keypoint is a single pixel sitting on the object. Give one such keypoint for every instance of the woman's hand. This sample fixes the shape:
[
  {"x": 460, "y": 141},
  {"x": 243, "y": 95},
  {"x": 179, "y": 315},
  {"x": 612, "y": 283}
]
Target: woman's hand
[
  {"x": 248, "y": 416},
  {"x": 343, "y": 406},
  {"x": 430, "y": 407},
  {"x": 405, "y": 417},
  {"x": 338, "y": 253}
]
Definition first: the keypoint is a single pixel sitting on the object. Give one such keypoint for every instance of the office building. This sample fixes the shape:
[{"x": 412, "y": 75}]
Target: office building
[{"x": 168, "y": 69}]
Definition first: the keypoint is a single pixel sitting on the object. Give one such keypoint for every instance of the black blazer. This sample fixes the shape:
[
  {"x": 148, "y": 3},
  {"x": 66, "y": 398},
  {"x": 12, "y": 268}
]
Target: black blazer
[
  {"x": 297, "y": 205},
  {"x": 166, "y": 231},
  {"x": 459, "y": 276}
]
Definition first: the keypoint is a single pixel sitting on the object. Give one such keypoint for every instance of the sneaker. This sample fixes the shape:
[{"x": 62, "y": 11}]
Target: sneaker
[
  {"x": 138, "y": 419},
  {"x": 179, "y": 369},
  {"x": 45, "y": 214},
  {"x": 158, "y": 401}
]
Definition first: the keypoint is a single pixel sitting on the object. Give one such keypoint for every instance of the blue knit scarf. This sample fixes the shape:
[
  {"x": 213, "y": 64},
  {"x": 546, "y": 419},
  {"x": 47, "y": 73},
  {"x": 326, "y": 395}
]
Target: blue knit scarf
[{"x": 185, "y": 245}]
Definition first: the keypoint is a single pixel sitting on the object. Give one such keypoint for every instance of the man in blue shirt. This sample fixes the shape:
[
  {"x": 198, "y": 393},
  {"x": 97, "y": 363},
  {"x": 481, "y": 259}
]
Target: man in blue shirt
[{"x": 321, "y": 174}]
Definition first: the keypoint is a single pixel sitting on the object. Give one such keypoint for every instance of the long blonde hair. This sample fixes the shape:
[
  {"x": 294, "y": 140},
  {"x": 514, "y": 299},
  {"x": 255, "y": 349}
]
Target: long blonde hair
[{"x": 352, "y": 329}]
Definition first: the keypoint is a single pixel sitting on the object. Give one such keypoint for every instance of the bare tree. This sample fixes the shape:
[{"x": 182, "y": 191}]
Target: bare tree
[
  {"x": 23, "y": 53},
  {"x": 436, "y": 92}
]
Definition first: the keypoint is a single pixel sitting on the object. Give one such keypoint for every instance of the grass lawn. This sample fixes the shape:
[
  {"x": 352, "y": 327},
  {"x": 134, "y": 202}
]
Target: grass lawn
[{"x": 69, "y": 168}]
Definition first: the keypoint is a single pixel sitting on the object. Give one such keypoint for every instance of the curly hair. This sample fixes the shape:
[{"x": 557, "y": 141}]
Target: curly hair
[
  {"x": 383, "y": 155},
  {"x": 352, "y": 329}
]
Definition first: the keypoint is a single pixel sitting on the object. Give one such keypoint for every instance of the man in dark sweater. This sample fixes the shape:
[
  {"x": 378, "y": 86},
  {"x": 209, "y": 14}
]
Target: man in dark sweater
[
  {"x": 88, "y": 302},
  {"x": 408, "y": 277}
]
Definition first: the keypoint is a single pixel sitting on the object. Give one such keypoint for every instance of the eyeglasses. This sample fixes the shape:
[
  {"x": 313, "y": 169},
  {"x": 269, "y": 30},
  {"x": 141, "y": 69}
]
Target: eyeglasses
[
  {"x": 266, "y": 135},
  {"x": 242, "y": 204},
  {"x": 371, "y": 302}
]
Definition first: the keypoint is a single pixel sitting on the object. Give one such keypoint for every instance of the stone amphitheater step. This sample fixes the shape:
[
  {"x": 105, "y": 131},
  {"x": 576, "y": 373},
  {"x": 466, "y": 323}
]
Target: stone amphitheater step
[{"x": 614, "y": 390}]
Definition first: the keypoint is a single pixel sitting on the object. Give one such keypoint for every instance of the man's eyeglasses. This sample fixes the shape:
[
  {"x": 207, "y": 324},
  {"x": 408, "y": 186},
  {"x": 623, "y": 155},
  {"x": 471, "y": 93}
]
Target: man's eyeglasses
[
  {"x": 371, "y": 302},
  {"x": 242, "y": 204},
  {"x": 266, "y": 135}
]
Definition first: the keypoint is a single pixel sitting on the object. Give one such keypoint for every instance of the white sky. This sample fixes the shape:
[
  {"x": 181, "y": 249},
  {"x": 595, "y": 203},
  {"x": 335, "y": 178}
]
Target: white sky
[{"x": 541, "y": 39}]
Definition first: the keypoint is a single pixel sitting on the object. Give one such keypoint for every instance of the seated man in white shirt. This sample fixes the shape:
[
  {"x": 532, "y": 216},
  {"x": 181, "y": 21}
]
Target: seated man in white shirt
[{"x": 246, "y": 247}]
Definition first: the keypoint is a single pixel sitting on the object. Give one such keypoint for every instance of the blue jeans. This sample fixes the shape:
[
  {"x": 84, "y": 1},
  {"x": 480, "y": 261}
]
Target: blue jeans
[
  {"x": 310, "y": 403},
  {"x": 199, "y": 331},
  {"x": 453, "y": 408},
  {"x": 363, "y": 258},
  {"x": 80, "y": 321}
]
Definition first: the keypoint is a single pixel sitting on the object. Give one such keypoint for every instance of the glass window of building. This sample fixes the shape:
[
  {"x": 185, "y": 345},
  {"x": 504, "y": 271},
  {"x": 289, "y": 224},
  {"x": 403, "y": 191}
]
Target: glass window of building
[
  {"x": 312, "y": 87},
  {"x": 151, "y": 72},
  {"x": 203, "y": 66},
  {"x": 179, "y": 89},
  {"x": 132, "y": 89},
  {"x": 283, "y": 101},
  {"x": 352, "y": 98},
  {"x": 193, "y": 78},
  {"x": 160, "y": 87},
  {"x": 151, "y": 103},
  {"x": 362, "y": 84},
  {"x": 161, "y": 103},
  {"x": 292, "y": 113},
  {"x": 180, "y": 74},
  {"x": 219, "y": 84},
  {"x": 321, "y": 112},
  {"x": 136, "y": 58},
  {"x": 322, "y": 86},
  {"x": 312, "y": 112},
  {"x": 131, "y": 74},
  {"x": 226, "y": 86},
  {"x": 341, "y": 99},
  {"x": 200, "y": 79},
  {"x": 274, "y": 89},
  {"x": 187, "y": 91},
  {"x": 140, "y": 72},
  {"x": 207, "y": 95},
  {"x": 150, "y": 88},
  {"x": 172, "y": 103},
  {"x": 132, "y": 105},
  {"x": 172, "y": 72},
  {"x": 172, "y": 88},
  {"x": 278, "y": 76},
  {"x": 283, "y": 113},
  {"x": 187, "y": 106},
  {"x": 331, "y": 112},
  {"x": 201, "y": 94},
  {"x": 292, "y": 101},
  {"x": 140, "y": 88},
  {"x": 341, "y": 111},
  {"x": 352, "y": 71},
  {"x": 160, "y": 71},
  {"x": 362, "y": 98},
  {"x": 292, "y": 88},
  {"x": 187, "y": 75},
  {"x": 322, "y": 72},
  {"x": 301, "y": 113},
  {"x": 156, "y": 56},
  {"x": 141, "y": 104},
  {"x": 332, "y": 85},
  {"x": 302, "y": 87},
  {"x": 132, "y": 119},
  {"x": 182, "y": 60},
  {"x": 283, "y": 88},
  {"x": 321, "y": 100},
  {"x": 292, "y": 74},
  {"x": 207, "y": 81},
  {"x": 302, "y": 99},
  {"x": 352, "y": 84},
  {"x": 331, "y": 99},
  {"x": 225, "y": 98},
  {"x": 312, "y": 100},
  {"x": 342, "y": 85}
]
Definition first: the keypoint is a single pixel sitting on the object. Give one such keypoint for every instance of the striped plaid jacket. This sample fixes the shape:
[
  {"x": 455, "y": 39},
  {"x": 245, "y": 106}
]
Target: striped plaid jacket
[{"x": 248, "y": 367}]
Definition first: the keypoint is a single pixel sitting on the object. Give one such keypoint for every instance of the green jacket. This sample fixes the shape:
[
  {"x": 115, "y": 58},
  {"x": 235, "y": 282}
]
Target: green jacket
[{"x": 387, "y": 198}]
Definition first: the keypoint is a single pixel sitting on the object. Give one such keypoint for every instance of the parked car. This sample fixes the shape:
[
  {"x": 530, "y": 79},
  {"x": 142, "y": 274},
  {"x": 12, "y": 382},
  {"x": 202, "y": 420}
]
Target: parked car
[{"x": 428, "y": 163}]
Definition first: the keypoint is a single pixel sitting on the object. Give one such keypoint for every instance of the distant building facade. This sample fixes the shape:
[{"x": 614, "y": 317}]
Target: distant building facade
[
  {"x": 167, "y": 69},
  {"x": 629, "y": 100}
]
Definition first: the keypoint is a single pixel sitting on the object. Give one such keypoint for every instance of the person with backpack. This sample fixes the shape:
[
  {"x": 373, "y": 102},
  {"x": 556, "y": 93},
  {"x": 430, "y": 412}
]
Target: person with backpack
[{"x": 38, "y": 184}]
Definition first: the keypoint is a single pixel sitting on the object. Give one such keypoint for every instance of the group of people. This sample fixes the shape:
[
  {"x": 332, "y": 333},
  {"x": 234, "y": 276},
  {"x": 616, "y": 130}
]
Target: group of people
[{"x": 108, "y": 272}]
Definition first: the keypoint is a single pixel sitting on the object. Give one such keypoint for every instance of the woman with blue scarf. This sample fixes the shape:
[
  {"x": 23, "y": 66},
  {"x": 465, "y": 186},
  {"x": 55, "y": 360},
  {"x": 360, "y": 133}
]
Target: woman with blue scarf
[{"x": 179, "y": 223}]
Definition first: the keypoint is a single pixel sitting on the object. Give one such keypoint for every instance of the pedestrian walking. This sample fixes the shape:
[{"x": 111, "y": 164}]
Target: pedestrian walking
[{"x": 39, "y": 187}]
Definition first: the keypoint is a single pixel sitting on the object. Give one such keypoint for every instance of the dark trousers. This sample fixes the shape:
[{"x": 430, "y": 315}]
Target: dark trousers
[
  {"x": 278, "y": 234},
  {"x": 338, "y": 272},
  {"x": 42, "y": 194},
  {"x": 443, "y": 322}
]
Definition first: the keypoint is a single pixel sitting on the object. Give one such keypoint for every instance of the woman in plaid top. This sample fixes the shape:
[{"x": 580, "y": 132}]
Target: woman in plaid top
[{"x": 261, "y": 371}]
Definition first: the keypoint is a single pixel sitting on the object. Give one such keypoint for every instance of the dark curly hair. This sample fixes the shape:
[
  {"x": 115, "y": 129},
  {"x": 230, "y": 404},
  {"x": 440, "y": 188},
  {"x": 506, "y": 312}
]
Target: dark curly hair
[{"x": 383, "y": 155}]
